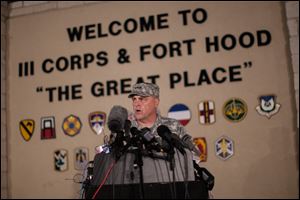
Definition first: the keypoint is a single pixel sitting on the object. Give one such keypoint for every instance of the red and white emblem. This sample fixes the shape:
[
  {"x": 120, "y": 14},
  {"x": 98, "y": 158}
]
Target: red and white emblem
[
  {"x": 207, "y": 112},
  {"x": 48, "y": 128}
]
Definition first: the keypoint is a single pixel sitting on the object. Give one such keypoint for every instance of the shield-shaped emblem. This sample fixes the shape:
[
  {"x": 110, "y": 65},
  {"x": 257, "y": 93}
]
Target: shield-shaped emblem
[
  {"x": 47, "y": 128},
  {"x": 97, "y": 121},
  {"x": 267, "y": 106},
  {"x": 224, "y": 147},
  {"x": 71, "y": 125},
  {"x": 61, "y": 160},
  {"x": 81, "y": 158},
  {"x": 202, "y": 146},
  {"x": 235, "y": 110},
  {"x": 27, "y": 128},
  {"x": 207, "y": 112}
]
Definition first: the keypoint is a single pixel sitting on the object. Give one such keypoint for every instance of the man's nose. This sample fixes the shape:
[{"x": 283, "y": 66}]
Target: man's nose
[{"x": 136, "y": 102}]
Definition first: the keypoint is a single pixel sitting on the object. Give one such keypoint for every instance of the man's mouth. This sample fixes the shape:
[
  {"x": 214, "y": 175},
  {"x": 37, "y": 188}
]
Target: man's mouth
[{"x": 138, "y": 111}]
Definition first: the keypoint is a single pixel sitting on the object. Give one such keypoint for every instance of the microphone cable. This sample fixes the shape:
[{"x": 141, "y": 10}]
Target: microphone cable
[
  {"x": 105, "y": 178},
  {"x": 186, "y": 191},
  {"x": 184, "y": 172},
  {"x": 170, "y": 185}
]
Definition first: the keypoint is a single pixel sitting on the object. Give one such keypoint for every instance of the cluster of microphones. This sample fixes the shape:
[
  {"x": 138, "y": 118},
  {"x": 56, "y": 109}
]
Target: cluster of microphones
[{"x": 124, "y": 135}]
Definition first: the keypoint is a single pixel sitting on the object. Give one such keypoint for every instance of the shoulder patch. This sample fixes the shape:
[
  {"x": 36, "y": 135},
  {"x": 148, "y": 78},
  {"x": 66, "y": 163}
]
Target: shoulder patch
[
  {"x": 71, "y": 125},
  {"x": 180, "y": 112},
  {"x": 224, "y": 148},
  {"x": 26, "y": 127},
  {"x": 48, "y": 128},
  {"x": 235, "y": 110},
  {"x": 97, "y": 121},
  {"x": 268, "y": 106},
  {"x": 61, "y": 160},
  {"x": 207, "y": 112},
  {"x": 202, "y": 146},
  {"x": 81, "y": 158}
]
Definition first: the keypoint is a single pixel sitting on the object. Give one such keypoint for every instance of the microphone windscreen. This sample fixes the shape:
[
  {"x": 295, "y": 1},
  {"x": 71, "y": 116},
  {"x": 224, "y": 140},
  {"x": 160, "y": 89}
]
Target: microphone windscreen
[
  {"x": 147, "y": 135},
  {"x": 171, "y": 138},
  {"x": 134, "y": 131},
  {"x": 162, "y": 130},
  {"x": 187, "y": 141},
  {"x": 116, "y": 118},
  {"x": 165, "y": 133}
]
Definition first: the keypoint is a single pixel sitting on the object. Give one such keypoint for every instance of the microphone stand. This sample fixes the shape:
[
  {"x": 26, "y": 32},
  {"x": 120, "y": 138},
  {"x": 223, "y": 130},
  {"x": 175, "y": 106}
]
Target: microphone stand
[
  {"x": 118, "y": 145},
  {"x": 139, "y": 162},
  {"x": 171, "y": 159}
]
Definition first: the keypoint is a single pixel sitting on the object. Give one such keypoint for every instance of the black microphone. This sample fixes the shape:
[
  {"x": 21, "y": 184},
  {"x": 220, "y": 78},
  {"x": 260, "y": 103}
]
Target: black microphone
[
  {"x": 143, "y": 134},
  {"x": 171, "y": 138},
  {"x": 118, "y": 123},
  {"x": 117, "y": 119},
  {"x": 134, "y": 131},
  {"x": 187, "y": 141},
  {"x": 147, "y": 138}
]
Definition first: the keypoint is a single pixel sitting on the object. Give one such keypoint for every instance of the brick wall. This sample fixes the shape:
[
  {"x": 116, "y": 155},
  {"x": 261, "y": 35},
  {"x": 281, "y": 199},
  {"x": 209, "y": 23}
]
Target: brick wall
[{"x": 28, "y": 7}]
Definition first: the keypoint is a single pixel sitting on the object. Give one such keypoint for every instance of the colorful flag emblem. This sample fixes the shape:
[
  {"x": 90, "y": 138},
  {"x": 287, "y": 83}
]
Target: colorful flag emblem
[
  {"x": 61, "y": 160},
  {"x": 180, "y": 112},
  {"x": 48, "y": 128},
  {"x": 97, "y": 121},
  {"x": 207, "y": 112},
  {"x": 268, "y": 106},
  {"x": 71, "y": 125},
  {"x": 81, "y": 158},
  {"x": 202, "y": 146},
  {"x": 26, "y": 128},
  {"x": 235, "y": 109},
  {"x": 224, "y": 148}
]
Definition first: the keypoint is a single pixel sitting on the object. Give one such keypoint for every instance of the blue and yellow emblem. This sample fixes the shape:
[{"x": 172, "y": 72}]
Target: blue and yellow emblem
[
  {"x": 26, "y": 128},
  {"x": 224, "y": 148},
  {"x": 235, "y": 110},
  {"x": 97, "y": 120},
  {"x": 71, "y": 125}
]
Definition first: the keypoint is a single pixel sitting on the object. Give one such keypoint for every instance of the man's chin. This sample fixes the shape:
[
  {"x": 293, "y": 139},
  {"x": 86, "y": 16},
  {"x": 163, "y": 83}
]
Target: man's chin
[{"x": 138, "y": 117}]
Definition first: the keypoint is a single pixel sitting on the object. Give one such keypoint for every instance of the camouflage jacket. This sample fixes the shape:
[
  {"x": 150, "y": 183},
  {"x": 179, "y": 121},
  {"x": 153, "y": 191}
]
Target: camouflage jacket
[{"x": 174, "y": 126}]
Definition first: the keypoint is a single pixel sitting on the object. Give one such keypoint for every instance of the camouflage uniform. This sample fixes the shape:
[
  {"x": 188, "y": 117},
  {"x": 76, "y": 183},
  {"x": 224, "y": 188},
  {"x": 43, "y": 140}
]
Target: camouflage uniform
[
  {"x": 149, "y": 89},
  {"x": 172, "y": 124}
]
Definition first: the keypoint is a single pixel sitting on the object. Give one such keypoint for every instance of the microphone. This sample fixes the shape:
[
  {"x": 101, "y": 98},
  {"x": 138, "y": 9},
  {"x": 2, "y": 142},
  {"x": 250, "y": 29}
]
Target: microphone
[
  {"x": 144, "y": 134},
  {"x": 117, "y": 119},
  {"x": 134, "y": 131},
  {"x": 186, "y": 139},
  {"x": 148, "y": 139},
  {"x": 171, "y": 138}
]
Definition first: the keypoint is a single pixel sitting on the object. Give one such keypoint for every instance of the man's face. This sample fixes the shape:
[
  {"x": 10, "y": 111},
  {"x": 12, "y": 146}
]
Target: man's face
[{"x": 144, "y": 107}]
